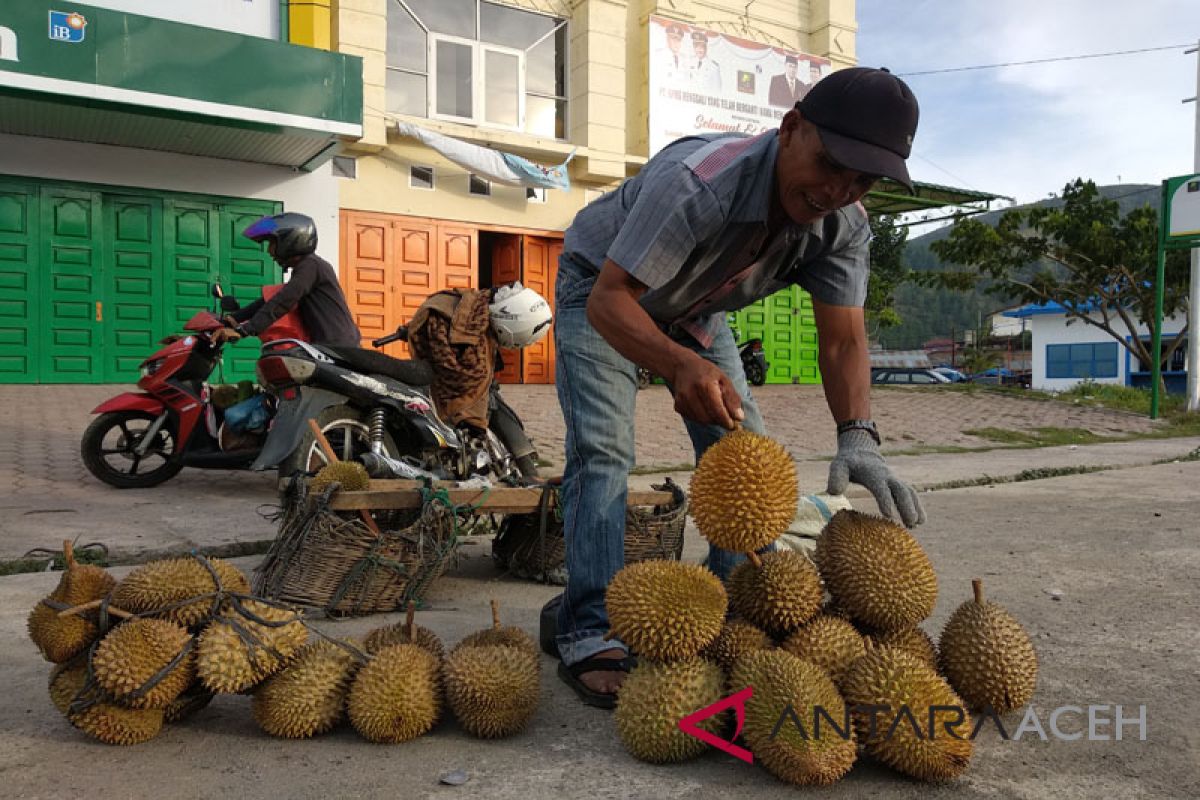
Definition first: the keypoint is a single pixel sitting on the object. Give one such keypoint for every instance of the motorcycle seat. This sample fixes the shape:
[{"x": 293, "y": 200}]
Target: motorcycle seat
[{"x": 413, "y": 372}]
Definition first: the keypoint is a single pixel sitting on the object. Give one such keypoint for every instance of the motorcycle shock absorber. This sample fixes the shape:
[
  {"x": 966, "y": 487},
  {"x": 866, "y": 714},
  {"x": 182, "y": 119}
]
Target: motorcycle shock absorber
[{"x": 376, "y": 426}]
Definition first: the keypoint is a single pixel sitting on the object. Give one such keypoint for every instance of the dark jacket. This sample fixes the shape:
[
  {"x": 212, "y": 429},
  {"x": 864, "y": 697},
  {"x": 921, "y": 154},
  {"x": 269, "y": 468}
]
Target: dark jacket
[{"x": 315, "y": 291}]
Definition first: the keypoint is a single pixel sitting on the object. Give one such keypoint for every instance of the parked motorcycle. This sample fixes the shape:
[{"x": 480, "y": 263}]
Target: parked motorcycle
[
  {"x": 378, "y": 410},
  {"x": 754, "y": 362}
]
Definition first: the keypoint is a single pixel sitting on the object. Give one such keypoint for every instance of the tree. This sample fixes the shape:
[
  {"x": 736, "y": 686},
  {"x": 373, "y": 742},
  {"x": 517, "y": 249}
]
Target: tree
[
  {"x": 888, "y": 271},
  {"x": 1080, "y": 253}
]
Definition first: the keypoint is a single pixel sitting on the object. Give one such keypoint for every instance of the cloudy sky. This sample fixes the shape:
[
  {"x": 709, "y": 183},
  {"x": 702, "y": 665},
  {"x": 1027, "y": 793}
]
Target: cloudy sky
[{"x": 1025, "y": 131}]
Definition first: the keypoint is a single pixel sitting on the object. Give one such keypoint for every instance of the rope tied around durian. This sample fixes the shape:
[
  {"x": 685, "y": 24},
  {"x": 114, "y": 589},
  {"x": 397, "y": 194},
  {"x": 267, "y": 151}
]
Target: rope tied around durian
[{"x": 358, "y": 654}]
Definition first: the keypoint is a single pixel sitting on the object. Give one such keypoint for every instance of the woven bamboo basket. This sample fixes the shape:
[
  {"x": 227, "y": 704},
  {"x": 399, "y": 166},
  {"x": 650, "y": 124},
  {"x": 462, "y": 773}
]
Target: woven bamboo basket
[
  {"x": 532, "y": 545},
  {"x": 331, "y": 560}
]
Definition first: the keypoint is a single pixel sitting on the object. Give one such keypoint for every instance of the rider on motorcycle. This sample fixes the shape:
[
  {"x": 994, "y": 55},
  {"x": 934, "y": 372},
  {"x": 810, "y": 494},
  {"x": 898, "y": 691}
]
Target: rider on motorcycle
[{"x": 313, "y": 289}]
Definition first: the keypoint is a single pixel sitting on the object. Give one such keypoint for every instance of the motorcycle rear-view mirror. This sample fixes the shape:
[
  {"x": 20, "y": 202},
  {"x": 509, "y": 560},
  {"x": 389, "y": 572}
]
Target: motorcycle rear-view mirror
[{"x": 216, "y": 291}]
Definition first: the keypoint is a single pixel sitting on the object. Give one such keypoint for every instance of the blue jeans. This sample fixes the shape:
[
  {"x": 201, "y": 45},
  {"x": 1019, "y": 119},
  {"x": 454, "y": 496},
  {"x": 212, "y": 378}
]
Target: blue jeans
[{"x": 597, "y": 389}]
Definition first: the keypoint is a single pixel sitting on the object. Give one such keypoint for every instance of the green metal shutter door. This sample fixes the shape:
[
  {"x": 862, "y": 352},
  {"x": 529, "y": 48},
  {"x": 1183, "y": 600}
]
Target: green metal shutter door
[
  {"x": 69, "y": 327},
  {"x": 784, "y": 321},
  {"x": 133, "y": 309},
  {"x": 805, "y": 331},
  {"x": 18, "y": 281}
]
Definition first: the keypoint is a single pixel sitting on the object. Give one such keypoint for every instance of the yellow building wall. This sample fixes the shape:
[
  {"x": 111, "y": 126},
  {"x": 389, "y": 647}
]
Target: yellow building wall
[{"x": 607, "y": 102}]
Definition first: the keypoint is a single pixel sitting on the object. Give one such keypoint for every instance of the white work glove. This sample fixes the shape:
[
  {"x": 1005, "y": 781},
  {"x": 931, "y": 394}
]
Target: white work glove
[{"x": 858, "y": 460}]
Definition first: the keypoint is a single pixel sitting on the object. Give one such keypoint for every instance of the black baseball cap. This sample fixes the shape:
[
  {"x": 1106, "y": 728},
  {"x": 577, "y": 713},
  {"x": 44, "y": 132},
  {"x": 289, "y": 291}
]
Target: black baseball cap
[{"x": 866, "y": 119}]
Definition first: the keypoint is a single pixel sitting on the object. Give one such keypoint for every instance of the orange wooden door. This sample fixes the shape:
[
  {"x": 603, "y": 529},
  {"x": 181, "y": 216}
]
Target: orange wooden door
[
  {"x": 506, "y": 268},
  {"x": 540, "y": 269},
  {"x": 367, "y": 242},
  {"x": 458, "y": 246}
]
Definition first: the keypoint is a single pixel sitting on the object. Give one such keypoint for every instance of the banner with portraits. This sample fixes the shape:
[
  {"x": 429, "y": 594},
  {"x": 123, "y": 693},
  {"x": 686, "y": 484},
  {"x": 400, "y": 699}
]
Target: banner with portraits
[{"x": 702, "y": 81}]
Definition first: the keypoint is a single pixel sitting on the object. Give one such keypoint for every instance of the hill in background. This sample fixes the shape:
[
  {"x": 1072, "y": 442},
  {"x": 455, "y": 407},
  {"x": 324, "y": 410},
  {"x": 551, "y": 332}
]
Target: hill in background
[{"x": 934, "y": 313}]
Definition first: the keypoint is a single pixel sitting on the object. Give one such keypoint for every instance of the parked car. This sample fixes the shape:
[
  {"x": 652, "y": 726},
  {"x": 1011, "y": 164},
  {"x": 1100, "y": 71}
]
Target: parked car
[
  {"x": 952, "y": 374},
  {"x": 907, "y": 376}
]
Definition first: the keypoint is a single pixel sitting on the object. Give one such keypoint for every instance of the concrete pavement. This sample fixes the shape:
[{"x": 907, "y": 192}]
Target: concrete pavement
[{"x": 46, "y": 495}]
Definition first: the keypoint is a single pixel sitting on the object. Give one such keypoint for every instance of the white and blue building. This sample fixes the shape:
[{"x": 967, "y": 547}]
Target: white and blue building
[{"x": 1067, "y": 351}]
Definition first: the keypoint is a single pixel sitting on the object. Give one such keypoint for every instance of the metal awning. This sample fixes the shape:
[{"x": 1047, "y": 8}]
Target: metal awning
[
  {"x": 133, "y": 81},
  {"x": 889, "y": 197}
]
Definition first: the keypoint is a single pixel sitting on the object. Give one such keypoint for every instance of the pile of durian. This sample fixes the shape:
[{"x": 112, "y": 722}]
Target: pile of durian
[
  {"x": 155, "y": 647},
  {"x": 841, "y": 631}
]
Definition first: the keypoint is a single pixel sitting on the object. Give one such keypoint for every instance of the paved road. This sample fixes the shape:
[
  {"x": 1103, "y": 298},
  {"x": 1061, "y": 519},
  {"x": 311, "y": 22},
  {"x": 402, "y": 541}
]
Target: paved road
[{"x": 46, "y": 495}]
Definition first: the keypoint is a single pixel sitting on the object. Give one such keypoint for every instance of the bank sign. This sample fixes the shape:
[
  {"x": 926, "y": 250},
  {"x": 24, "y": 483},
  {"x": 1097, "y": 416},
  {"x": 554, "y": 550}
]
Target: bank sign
[{"x": 703, "y": 81}]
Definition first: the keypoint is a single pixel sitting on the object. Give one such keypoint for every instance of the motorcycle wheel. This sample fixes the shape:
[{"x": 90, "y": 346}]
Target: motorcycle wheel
[
  {"x": 348, "y": 433},
  {"x": 755, "y": 374},
  {"x": 108, "y": 447}
]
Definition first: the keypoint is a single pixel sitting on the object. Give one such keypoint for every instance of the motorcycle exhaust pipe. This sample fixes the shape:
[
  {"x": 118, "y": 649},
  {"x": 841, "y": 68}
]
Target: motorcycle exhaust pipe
[{"x": 379, "y": 465}]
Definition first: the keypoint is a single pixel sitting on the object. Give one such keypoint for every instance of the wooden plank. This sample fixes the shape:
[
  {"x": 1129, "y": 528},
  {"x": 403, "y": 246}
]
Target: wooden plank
[{"x": 504, "y": 500}]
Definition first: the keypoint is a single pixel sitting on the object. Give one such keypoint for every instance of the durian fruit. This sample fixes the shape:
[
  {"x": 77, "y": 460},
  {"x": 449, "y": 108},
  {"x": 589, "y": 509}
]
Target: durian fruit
[
  {"x": 308, "y": 696},
  {"x": 114, "y": 724},
  {"x": 666, "y": 610},
  {"x": 397, "y": 696},
  {"x": 404, "y": 633},
  {"x": 828, "y": 641},
  {"x": 492, "y": 689},
  {"x": 900, "y": 736},
  {"x": 133, "y": 654},
  {"x": 778, "y": 592},
  {"x": 227, "y": 662},
  {"x": 66, "y": 682},
  {"x": 987, "y": 655},
  {"x": 796, "y": 751},
  {"x": 62, "y": 638},
  {"x": 504, "y": 635},
  {"x": 193, "y": 699},
  {"x": 743, "y": 494},
  {"x": 913, "y": 639},
  {"x": 653, "y": 699},
  {"x": 85, "y": 708},
  {"x": 876, "y": 571},
  {"x": 736, "y": 639},
  {"x": 160, "y": 584},
  {"x": 350, "y": 474}
]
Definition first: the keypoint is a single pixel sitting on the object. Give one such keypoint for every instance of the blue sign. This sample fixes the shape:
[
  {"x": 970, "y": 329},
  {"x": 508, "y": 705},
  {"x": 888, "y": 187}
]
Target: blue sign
[{"x": 67, "y": 26}]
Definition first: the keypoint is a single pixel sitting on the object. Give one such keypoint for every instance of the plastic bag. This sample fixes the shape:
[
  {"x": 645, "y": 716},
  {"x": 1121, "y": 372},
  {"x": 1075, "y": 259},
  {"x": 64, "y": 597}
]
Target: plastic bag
[{"x": 248, "y": 416}]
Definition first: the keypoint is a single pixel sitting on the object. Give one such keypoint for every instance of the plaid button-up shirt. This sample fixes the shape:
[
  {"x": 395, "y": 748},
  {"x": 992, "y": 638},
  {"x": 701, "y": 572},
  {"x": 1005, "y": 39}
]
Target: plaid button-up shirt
[{"x": 692, "y": 226}]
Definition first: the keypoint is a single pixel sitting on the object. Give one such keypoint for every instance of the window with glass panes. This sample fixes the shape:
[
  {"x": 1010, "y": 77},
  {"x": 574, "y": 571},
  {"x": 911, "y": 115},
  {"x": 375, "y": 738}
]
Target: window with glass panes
[
  {"x": 1083, "y": 360},
  {"x": 477, "y": 62}
]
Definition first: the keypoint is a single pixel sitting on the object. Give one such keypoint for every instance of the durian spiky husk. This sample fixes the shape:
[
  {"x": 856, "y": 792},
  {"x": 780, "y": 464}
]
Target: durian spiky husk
[
  {"x": 389, "y": 635},
  {"x": 397, "y": 696},
  {"x": 134, "y": 652},
  {"x": 492, "y": 689},
  {"x": 876, "y": 571},
  {"x": 308, "y": 696},
  {"x": 781, "y": 596},
  {"x": 160, "y": 584},
  {"x": 666, "y": 610},
  {"x": 653, "y": 699},
  {"x": 500, "y": 636},
  {"x": 62, "y": 638},
  {"x": 109, "y": 723},
  {"x": 226, "y": 663},
  {"x": 743, "y": 494},
  {"x": 781, "y": 680},
  {"x": 828, "y": 641},
  {"x": 737, "y": 638},
  {"x": 988, "y": 656},
  {"x": 913, "y": 640},
  {"x": 350, "y": 474},
  {"x": 898, "y": 680}
]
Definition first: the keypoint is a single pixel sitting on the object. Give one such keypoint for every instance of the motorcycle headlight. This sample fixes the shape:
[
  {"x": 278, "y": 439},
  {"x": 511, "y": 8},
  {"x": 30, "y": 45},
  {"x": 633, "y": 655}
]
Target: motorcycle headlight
[{"x": 151, "y": 367}]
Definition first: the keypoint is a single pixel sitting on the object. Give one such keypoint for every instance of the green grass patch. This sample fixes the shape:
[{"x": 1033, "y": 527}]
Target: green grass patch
[
  {"x": 1039, "y": 437},
  {"x": 1024, "y": 475}
]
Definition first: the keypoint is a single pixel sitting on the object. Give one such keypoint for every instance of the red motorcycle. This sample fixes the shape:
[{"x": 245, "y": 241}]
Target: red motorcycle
[{"x": 142, "y": 439}]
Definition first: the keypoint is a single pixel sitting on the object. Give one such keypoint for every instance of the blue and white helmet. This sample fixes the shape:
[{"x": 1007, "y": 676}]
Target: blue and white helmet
[{"x": 520, "y": 316}]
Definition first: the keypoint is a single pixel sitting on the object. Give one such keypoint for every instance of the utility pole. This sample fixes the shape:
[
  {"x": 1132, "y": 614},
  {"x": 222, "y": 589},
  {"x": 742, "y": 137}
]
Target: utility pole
[{"x": 1193, "y": 344}]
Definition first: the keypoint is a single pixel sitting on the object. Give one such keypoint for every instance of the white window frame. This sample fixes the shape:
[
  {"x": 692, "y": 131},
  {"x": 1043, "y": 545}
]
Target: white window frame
[{"x": 478, "y": 88}]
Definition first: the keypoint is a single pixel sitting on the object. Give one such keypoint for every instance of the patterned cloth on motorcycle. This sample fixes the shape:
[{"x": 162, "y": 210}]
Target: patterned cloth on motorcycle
[{"x": 452, "y": 331}]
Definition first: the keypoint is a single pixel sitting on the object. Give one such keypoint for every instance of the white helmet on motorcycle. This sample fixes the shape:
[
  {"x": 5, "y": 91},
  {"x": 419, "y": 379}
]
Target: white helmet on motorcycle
[{"x": 520, "y": 316}]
